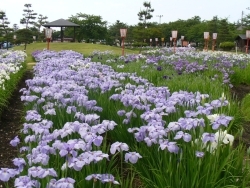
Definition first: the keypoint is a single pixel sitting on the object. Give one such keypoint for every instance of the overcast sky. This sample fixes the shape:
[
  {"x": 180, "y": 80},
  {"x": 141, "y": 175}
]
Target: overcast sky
[{"x": 126, "y": 10}]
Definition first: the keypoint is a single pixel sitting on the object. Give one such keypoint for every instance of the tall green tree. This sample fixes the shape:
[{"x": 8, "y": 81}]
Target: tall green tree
[
  {"x": 213, "y": 25},
  {"x": 24, "y": 35},
  {"x": 41, "y": 20},
  {"x": 114, "y": 32},
  {"x": 246, "y": 21},
  {"x": 92, "y": 27},
  {"x": 145, "y": 15},
  {"x": 4, "y": 28},
  {"x": 195, "y": 34},
  {"x": 28, "y": 18},
  {"x": 224, "y": 32}
]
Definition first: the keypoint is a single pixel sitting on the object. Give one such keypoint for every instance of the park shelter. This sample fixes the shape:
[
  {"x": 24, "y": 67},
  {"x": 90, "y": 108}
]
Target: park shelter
[
  {"x": 241, "y": 41},
  {"x": 62, "y": 23}
]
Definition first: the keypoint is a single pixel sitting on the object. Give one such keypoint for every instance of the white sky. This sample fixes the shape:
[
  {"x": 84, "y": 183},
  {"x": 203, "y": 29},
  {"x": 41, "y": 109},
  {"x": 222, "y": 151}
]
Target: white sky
[{"x": 126, "y": 10}]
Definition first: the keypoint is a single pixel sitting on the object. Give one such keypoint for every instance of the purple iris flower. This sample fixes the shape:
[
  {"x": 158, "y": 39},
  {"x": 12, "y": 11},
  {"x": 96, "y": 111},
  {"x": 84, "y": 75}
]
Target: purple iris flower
[
  {"x": 208, "y": 137},
  {"x": 7, "y": 173},
  {"x": 65, "y": 182},
  {"x": 119, "y": 147},
  {"x": 24, "y": 181},
  {"x": 19, "y": 162},
  {"x": 221, "y": 120},
  {"x": 171, "y": 146},
  {"x": 159, "y": 68},
  {"x": 94, "y": 177},
  {"x": 67, "y": 149},
  {"x": 132, "y": 157},
  {"x": 108, "y": 178},
  {"x": 15, "y": 141},
  {"x": 186, "y": 136}
]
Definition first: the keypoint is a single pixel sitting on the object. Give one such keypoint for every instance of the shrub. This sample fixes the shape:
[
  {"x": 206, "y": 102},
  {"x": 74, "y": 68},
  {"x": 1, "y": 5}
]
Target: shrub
[
  {"x": 138, "y": 44},
  {"x": 226, "y": 46}
]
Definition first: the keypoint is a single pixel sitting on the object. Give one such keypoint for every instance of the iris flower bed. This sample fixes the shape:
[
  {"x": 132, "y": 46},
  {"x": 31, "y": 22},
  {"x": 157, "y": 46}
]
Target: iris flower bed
[
  {"x": 129, "y": 122},
  {"x": 12, "y": 68}
]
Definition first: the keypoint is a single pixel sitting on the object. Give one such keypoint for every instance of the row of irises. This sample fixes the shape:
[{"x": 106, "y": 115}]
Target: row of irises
[
  {"x": 86, "y": 121},
  {"x": 223, "y": 67},
  {"x": 213, "y": 70},
  {"x": 11, "y": 68},
  {"x": 10, "y": 63}
]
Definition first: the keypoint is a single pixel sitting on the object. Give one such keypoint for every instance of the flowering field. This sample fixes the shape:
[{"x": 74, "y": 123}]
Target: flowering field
[
  {"x": 153, "y": 120},
  {"x": 11, "y": 69}
]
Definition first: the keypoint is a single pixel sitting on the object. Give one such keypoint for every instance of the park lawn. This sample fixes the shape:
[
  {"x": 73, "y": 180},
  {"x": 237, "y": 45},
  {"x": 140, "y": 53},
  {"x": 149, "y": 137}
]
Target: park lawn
[{"x": 84, "y": 48}]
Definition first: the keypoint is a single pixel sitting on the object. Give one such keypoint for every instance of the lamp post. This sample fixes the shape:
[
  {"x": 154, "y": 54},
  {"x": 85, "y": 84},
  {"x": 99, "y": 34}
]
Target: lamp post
[
  {"x": 162, "y": 42},
  {"x": 174, "y": 36},
  {"x": 214, "y": 40},
  {"x": 236, "y": 46},
  {"x": 159, "y": 18},
  {"x": 206, "y": 37},
  {"x": 156, "y": 42},
  {"x": 48, "y": 34},
  {"x": 182, "y": 39},
  {"x": 170, "y": 41},
  {"x": 123, "y": 33},
  {"x": 248, "y": 37}
]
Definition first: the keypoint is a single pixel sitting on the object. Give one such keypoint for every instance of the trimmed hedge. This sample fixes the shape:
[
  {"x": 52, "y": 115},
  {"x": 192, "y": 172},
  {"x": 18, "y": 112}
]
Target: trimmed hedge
[{"x": 227, "y": 46}]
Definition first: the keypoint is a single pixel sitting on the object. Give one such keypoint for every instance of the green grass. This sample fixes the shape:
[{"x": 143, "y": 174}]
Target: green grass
[{"x": 85, "y": 48}]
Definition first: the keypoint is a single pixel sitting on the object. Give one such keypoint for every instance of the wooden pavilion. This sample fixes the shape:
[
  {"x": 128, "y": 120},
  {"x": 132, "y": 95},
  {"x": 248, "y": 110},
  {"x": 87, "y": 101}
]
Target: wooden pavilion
[{"x": 62, "y": 23}]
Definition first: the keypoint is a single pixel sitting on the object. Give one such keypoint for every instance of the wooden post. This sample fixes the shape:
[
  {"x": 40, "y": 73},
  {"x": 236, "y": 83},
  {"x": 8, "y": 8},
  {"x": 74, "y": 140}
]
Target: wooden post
[
  {"x": 123, "y": 46},
  {"x": 213, "y": 45},
  {"x": 174, "y": 44},
  {"x": 48, "y": 40},
  {"x": 247, "y": 45},
  {"x": 205, "y": 45}
]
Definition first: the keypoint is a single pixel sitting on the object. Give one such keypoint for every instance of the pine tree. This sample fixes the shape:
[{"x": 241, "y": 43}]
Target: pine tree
[
  {"x": 145, "y": 15},
  {"x": 29, "y": 17},
  {"x": 4, "y": 27},
  {"x": 41, "y": 20},
  {"x": 224, "y": 31}
]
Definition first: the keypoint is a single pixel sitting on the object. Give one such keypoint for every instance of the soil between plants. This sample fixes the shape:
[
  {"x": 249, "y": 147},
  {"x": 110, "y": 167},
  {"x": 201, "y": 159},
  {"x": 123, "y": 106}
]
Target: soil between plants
[
  {"x": 11, "y": 122},
  {"x": 10, "y": 125}
]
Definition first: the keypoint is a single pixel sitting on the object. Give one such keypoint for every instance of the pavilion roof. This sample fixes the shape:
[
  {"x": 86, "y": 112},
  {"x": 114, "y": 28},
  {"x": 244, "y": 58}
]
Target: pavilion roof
[{"x": 61, "y": 23}]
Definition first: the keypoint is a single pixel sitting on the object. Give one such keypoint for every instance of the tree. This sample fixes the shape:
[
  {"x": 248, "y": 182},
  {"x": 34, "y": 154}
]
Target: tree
[
  {"x": 29, "y": 16},
  {"x": 224, "y": 32},
  {"x": 246, "y": 21},
  {"x": 213, "y": 25},
  {"x": 145, "y": 14},
  {"x": 24, "y": 35},
  {"x": 114, "y": 32},
  {"x": 41, "y": 21},
  {"x": 196, "y": 34},
  {"x": 91, "y": 27},
  {"x": 4, "y": 27},
  {"x": 154, "y": 31}
]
